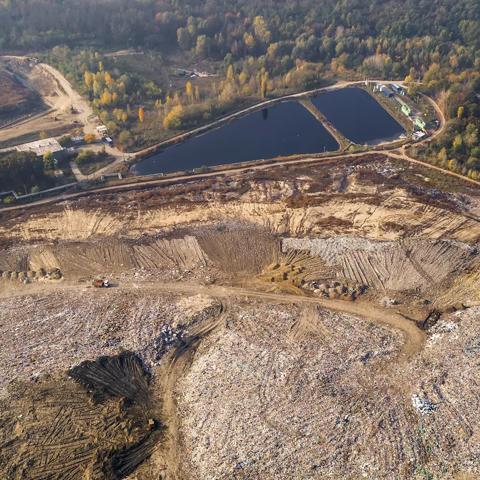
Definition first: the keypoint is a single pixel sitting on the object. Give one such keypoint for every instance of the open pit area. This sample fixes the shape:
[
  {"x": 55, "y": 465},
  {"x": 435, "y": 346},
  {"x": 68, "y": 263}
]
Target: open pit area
[
  {"x": 308, "y": 321},
  {"x": 15, "y": 98}
]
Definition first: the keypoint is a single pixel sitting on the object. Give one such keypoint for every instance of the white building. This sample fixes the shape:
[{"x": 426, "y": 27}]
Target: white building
[{"x": 41, "y": 147}]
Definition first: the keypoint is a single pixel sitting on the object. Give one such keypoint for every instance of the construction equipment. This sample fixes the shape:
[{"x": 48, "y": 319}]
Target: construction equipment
[{"x": 101, "y": 283}]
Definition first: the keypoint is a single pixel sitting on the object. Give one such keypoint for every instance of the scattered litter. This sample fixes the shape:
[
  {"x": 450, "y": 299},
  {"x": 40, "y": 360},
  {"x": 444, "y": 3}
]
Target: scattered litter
[{"x": 423, "y": 405}]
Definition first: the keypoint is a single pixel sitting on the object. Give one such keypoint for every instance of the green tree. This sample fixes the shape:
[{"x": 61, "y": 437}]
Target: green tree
[{"x": 48, "y": 161}]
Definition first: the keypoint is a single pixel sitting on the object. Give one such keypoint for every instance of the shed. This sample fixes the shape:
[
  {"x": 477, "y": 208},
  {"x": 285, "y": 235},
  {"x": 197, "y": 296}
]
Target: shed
[
  {"x": 386, "y": 91},
  {"x": 398, "y": 89}
]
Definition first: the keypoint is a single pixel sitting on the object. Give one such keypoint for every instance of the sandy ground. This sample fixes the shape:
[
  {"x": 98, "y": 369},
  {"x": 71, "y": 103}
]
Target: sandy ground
[{"x": 57, "y": 93}]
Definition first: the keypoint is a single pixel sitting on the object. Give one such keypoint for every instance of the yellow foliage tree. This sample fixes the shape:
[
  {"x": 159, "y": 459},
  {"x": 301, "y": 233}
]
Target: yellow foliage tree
[
  {"x": 230, "y": 73},
  {"x": 249, "y": 40},
  {"x": 106, "y": 98},
  {"x": 261, "y": 29},
  {"x": 460, "y": 111},
  {"x": 141, "y": 114},
  {"x": 89, "y": 138},
  {"x": 189, "y": 91},
  {"x": 108, "y": 79},
  {"x": 173, "y": 118},
  {"x": 243, "y": 78},
  {"x": 264, "y": 85},
  {"x": 88, "y": 79}
]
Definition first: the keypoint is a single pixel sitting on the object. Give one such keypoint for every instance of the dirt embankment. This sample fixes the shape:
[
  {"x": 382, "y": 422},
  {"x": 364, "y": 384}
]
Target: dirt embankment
[{"x": 65, "y": 108}]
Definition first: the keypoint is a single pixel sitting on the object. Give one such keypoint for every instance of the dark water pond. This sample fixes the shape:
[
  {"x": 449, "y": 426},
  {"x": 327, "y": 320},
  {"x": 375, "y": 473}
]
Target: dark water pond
[
  {"x": 282, "y": 130},
  {"x": 358, "y": 116}
]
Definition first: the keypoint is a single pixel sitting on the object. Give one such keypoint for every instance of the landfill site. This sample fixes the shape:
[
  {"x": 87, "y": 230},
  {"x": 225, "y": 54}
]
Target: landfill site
[{"x": 306, "y": 321}]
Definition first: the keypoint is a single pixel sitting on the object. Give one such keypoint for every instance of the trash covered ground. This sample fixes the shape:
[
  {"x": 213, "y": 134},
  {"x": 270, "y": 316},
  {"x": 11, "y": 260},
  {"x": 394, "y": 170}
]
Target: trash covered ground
[{"x": 316, "y": 322}]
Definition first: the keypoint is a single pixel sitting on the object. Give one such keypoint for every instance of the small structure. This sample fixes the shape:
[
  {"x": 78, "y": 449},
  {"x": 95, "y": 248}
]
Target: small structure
[
  {"x": 78, "y": 140},
  {"x": 406, "y": 109},
  {"x": 102, "y": 130},
  {"x": 41, "y": 147},
  {"x": 399, "y": 90},
  {"x": 418, "y": 135},
  {"x": 386, "y": 91}
]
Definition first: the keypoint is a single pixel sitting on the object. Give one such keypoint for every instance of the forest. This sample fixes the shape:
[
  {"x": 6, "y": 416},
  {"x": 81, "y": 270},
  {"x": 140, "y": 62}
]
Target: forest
[
  {"x": 261, "y": 48},
  {"x": 23, "y": 172}
]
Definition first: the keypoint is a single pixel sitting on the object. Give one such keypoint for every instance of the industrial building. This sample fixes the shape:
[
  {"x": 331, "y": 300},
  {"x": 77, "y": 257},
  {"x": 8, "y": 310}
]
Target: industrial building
[{"x": 41, "y": 147}]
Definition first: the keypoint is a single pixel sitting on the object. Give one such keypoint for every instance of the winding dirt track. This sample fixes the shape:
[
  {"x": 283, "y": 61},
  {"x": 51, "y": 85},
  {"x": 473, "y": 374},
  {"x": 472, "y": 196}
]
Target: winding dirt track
[{"x": 414, "y": 338}]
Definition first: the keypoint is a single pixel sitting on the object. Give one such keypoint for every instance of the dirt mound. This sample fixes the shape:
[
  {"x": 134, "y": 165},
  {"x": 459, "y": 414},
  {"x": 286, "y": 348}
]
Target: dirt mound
[
  {"x": 117, "y": 255},
  {"x": 14, "y": 97},
  {"x": 120, "y": 376},
  {"x": 239, "y": 250},
  {"x": 14, "y": 259},
  {"x": 389, "y": 265},
  {"x": 247, "y": 250},
  {"x": 52, "y": 428},
  {"x": 184, "y": 253}
]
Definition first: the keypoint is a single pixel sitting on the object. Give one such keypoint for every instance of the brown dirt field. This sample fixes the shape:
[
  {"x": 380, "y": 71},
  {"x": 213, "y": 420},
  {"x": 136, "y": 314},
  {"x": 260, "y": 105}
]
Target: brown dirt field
[
  {"x": 13, "y": 95},
  {"x": 58, "y": 429}
]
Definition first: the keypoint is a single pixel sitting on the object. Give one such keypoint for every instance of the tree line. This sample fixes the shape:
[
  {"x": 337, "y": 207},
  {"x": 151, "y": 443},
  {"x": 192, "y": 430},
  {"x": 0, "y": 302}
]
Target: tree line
[{"x": 270, "y": 45}]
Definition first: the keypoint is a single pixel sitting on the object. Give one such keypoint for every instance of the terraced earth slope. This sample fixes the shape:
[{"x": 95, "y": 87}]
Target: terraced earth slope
[{"x": 302, "y": 322}]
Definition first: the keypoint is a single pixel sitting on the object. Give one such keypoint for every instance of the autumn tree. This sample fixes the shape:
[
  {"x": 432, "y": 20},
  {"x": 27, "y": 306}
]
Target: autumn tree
[
  {"x": 173, "y": 119},
  {"x": 189, "y": 91}
]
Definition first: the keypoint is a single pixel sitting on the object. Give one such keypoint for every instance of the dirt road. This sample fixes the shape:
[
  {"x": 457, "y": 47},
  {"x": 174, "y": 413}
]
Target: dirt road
[
  {"x": 414, "y": 338},
  {"x": 60, "y": 97},
  {"x": 57, "y": 94},
  {"x": 230, "y": 171}
]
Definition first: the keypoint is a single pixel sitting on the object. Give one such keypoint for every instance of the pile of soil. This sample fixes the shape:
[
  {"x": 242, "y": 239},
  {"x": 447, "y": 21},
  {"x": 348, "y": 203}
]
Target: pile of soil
[{"x": 101, "y": 424}]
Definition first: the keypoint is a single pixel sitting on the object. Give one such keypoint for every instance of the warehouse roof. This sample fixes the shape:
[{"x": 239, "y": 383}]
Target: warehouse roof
[{"x": 41, "y": 147}]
